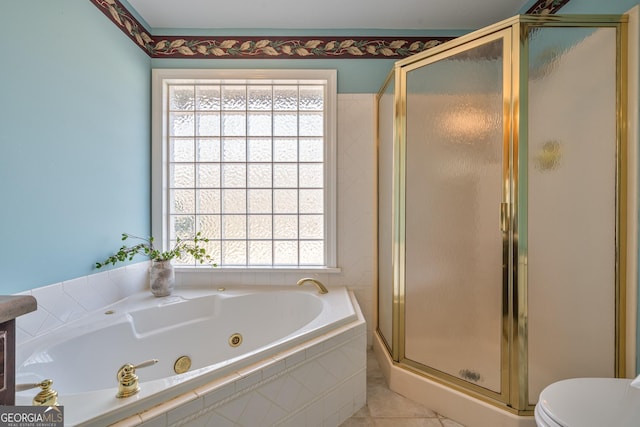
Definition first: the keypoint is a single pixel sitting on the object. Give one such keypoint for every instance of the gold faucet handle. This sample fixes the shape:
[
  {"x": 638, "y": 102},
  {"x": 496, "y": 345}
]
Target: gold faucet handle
[
  {"x": 46, "y": 397},
  {"x": 128, "y": 380},
  {"x": 146, "y": 363}
]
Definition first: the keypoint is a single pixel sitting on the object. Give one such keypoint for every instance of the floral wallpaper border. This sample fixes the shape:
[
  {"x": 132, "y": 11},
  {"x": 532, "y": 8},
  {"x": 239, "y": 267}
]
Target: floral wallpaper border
[{"x": 158, "y": 46}]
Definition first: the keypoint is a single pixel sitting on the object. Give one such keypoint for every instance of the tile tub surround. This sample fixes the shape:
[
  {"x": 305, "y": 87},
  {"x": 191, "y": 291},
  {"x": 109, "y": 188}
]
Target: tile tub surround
[
  {"x": 319, "y": 383},
  {"x": 322, "y": 380}
]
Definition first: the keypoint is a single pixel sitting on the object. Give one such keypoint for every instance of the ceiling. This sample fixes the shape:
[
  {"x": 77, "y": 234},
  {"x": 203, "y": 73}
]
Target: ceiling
[{"x": 325, "y": 14}]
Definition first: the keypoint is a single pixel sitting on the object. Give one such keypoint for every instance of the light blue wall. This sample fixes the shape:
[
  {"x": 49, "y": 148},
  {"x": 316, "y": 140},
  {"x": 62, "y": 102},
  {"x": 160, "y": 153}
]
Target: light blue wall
[
  {"x": 354, "y": 75},
  {"x": 74, "y": 141}
]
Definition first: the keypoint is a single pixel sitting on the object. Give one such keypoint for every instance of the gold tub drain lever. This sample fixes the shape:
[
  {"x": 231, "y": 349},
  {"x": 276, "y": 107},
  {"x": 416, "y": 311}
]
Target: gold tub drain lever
[
  {"x": 128, "y": 380},
  {"x": 46, "y": 397}
]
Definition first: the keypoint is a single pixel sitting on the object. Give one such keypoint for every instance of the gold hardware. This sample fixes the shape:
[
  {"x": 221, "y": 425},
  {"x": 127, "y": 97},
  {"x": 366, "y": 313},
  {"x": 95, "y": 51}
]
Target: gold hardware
[
  {"x": 235, "y": 340},
  {"x": 504, "y": 217},
  {"x": 128, "y": 380},
  {"x": 46, "y": 397},
  {"x": 182, "y": 365},
  {"x": 109, "y": 312},
  {"x": 319, "y": 285}
]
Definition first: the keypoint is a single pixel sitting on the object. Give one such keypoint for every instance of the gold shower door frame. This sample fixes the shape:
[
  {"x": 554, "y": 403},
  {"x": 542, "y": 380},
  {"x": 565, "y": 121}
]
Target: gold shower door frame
[{"x": 513, "y": 395}]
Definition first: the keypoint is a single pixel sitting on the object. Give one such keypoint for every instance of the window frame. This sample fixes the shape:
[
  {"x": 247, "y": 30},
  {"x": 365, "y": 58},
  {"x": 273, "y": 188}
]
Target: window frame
[{"x": 161, "y": 78}]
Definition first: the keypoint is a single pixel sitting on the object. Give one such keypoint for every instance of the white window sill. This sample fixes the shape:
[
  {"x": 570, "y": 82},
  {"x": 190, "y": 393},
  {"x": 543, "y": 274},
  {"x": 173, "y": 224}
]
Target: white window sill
[{"x": 206, "y": 268}]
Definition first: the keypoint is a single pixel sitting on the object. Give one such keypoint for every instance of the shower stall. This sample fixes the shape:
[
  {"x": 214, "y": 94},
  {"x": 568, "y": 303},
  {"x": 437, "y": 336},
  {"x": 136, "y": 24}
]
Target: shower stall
[{"x": 502, "y": 209}]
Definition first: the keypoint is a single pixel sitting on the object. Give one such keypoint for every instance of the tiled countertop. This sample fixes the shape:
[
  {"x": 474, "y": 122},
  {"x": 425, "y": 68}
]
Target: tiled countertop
[{"x": 12, "y": 306}]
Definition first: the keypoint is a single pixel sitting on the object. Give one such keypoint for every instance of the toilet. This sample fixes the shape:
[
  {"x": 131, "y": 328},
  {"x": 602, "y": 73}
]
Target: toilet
[{"x": 589, "y": 402}]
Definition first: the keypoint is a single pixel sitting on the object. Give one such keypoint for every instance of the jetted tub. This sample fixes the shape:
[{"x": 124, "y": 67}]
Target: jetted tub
[{"x": 224, "y": 333}]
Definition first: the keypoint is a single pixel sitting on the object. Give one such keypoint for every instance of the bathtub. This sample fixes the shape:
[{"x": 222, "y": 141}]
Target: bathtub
[{"x": 276, "y": 346}]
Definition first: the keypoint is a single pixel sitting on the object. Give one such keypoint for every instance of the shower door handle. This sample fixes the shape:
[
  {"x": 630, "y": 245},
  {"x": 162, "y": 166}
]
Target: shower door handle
[{"x": 504, "y": 217}]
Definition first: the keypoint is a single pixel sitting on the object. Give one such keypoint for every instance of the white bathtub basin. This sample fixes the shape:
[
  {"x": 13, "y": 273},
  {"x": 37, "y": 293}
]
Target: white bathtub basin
[{"x": 83, "y": 357}]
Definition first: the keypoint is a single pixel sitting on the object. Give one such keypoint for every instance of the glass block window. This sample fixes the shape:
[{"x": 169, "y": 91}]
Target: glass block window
[{"x": 246, "y": 166}]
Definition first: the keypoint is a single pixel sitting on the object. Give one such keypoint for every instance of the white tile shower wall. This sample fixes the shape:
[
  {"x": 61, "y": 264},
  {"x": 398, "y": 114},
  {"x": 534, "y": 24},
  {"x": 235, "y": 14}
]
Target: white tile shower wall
[
  {"x": 69, "y": 300},
  {"x": 317, "y": 384}
]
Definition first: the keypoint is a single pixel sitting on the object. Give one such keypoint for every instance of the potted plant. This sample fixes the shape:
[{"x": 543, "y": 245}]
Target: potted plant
[{"x": 161, "y": 273}]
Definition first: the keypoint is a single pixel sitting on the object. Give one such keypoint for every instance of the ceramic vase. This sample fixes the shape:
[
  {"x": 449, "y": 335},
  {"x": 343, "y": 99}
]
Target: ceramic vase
[{"x": 161, "y": 278}]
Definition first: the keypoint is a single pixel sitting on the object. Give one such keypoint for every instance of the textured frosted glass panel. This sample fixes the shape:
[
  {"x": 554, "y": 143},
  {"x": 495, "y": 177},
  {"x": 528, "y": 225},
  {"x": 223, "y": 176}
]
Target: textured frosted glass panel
[
  {"x": 260, "y": 253},
  {"x": 208, "y": 124},
  {"x": 181, "y": 150},
  {"x": 259, "y": 124},
  {"x": 181, "y": 124},
  {"x": 181, "y": 98},
  {"x": 453, "y": 194},
  {"x": 285, "y": 175},
  {"x": 234, "y": 124},
  {"x": 285, "y": 98},
  {"x": 311, "y": 226},
  {"x": 285, "y": 201},
  {"x": 285, "y": 227},
  {"x": 208, "y": 201},
  {"x": 209, "y": 226},
  {"x": 285, "y": 253},
  {"x": 285, "y": 150},
  {"x": 234, "y": 252},
  {"x": 182, "y": 226},
  {"x": 234, "y": 175},
  {"x": 234, "y": 150},
  {"x": 234, "y": 227},
  {"x": 311, "y": 149},
  {"x": 311, "y": 175},
  {"x": 181, "y": 175},
  {"x": 311, "y": 253},
  {"x": 311, "y": 124},
  {"x": 259, "y": 150},
  {"x": 208, "y": 150},
  {"x": 311, "y": 201},
  {"x": 208, "y": 175},
  {"x": 259, "y": 175},
  {"x": 234, "y": 201},
  {"x": 234, "y": 98},
  {"x": 571, "y": 205},
  {"x": 182, "y": 201},
  {"x": 259, "y": 98},
  {"x": 385, "y": 217},
  {"x": 260, "y": 227},
  {"x": 260, "y": 201},
  {"x": 285, "y": 124},
  {"x": 207, "y": 97},
  {"x": 311, "y": 98}
]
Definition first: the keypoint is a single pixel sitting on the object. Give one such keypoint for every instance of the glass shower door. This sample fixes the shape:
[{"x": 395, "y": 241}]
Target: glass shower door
[{"x": 456, "y": 175}]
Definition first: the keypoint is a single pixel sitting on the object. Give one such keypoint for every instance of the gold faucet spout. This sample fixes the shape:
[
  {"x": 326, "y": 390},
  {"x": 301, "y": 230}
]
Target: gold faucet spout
[{"x": 321, "y": 288}]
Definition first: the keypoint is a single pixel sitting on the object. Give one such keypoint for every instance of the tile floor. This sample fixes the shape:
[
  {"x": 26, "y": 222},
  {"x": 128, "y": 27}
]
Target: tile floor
[{"x": 385, "y": 408}]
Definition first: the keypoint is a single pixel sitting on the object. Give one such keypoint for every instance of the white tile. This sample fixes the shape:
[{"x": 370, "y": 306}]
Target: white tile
[
  {"x": 248, "y": 380},
  {"x": 79, "y": 290},
  {"x": 57, "y": 302},
  {"x": 255, "y": 411},
  {"x": 185, "y": 409},
  {"x": 31, "y": 323},
  {"x": 102, "y": 285},
  {"x": 234, "y": 409},
  {"x": 274, "y": 368},
  {"x": 217, "y": 420}
]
